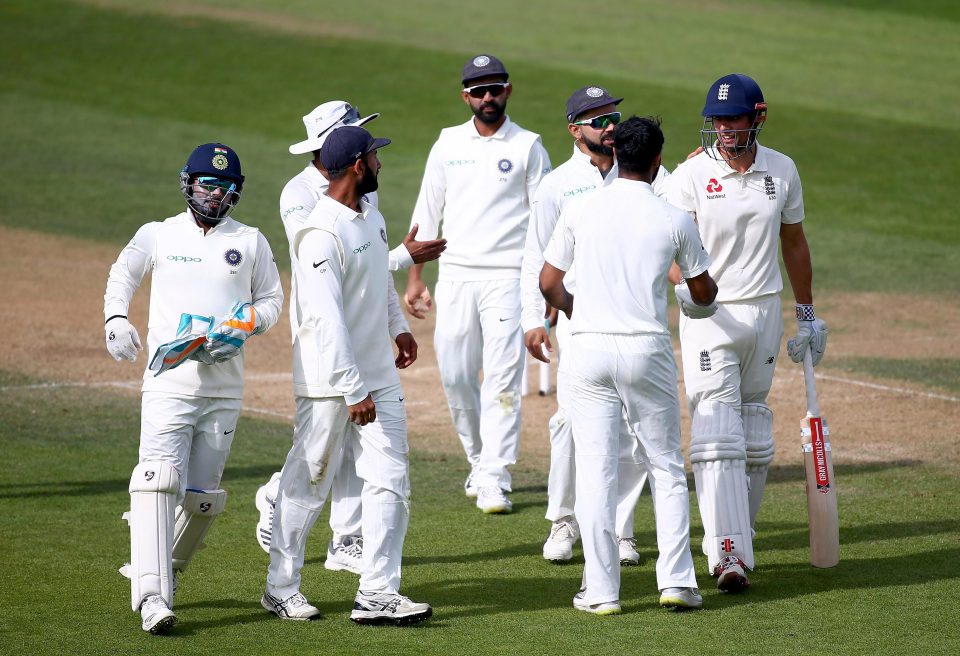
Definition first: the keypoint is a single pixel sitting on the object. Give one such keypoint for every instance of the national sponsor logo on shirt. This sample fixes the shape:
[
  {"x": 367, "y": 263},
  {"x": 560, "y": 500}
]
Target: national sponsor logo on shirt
[
  {"x": 184, "y": 258},
  {"x": 714, "y": 188},
  {"x": 459, "y": 162},
  {"x": 290, "y": 210},
  {"x": 360, "y": 249},
  {"x": 577, "y": 191},
  {"x": 233, "y": 257}
]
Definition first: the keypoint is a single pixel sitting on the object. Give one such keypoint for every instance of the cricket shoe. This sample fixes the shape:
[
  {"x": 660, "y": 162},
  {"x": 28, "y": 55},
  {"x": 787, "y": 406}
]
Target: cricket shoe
[
  {"x": 157, "y": 617},
  {"x": 345, "y": 555},
  {"x": 731, "y": 575},
  {"x": 681, "y": 598},
  {"x": 563, "y": 535},
  {"x": 388, "y": 608},
  {"x": 469, "y": 488},
  {"x": 604, "y": 608},
  {"x": 265, "y": 523},
  {"x": 629, "y": 555},
  {"x": 493, "y": 500},
  {"x": 294, "y": 607}
]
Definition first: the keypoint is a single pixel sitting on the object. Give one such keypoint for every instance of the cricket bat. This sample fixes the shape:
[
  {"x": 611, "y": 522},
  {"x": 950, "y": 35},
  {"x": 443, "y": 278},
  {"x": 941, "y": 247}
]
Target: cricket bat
[{"x": 821, "y": 484}]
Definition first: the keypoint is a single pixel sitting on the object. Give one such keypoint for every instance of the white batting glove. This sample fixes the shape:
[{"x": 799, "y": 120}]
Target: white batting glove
[
  {"x": 811, "y": 332},
  {"x": 688, "y": 307},
  {"x": 123, "y": 342},
  {"x": 226, "y": 339}
]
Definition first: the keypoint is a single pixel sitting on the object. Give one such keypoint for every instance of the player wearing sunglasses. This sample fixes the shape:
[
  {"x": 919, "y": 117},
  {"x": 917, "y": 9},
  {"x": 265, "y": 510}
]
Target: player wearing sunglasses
[
  {"x": 591, "y": 115},
  {"x": 478, "y": 184}
]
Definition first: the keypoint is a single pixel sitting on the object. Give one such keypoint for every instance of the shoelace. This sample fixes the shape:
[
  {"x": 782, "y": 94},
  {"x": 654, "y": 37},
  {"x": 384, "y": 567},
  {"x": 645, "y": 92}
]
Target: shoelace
[{"x": 562, "y": 528}]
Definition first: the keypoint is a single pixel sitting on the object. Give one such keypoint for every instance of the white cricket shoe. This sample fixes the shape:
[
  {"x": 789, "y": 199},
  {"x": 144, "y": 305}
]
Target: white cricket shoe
[
  {"x": 731, "y": 573},
  {"x": 493, "y": 500},
  {"x": 156, "y": 615},
  {"x": 265, "y": 506},
  {"x": 629, "y": 555},
  {"x": 294, "y": 607},
  {"x": 469, "y": 488},
  {"x": 681, "y": 598},
  {"x": 388, "y": 608},
  {"x": 563, "y": 535},
  {"x": 605, "y": 608},
  {"x": 345, "y": 555}
]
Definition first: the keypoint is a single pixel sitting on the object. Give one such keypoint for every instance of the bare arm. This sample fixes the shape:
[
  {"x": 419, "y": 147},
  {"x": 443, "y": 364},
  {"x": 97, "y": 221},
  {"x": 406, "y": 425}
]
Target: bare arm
[
  {"x": 551, "y": 286},
  {"x": 703, "y": 289},
  {"x": 796, "y": 260}
]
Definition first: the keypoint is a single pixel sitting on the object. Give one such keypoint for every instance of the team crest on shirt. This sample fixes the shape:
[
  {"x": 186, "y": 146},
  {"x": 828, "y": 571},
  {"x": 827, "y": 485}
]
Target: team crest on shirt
[
  {"x": 383, "y": 235},
  {"x": 233, "y": 257},
  {"x": 505, "y": 165},
  {"x": 769, "y": 187}
]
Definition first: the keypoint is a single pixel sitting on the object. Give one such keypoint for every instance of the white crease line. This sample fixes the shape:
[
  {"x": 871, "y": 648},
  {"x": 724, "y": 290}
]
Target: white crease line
[{"x": 882, "y": 388}]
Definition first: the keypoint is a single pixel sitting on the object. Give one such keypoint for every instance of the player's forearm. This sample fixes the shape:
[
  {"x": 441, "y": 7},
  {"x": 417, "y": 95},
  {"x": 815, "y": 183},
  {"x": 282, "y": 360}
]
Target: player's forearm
[{"x": 796, "y": 260}]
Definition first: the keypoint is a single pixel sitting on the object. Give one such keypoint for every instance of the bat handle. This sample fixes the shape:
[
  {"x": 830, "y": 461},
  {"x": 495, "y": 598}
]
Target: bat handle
[{"x": 813, "y": 407}]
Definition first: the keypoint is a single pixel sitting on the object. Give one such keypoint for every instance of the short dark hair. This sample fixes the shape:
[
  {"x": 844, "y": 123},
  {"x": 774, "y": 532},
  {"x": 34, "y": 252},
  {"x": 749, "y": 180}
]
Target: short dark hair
[
  {"x": 339, "y": 173},
  {"x": 637, "y": 141}
]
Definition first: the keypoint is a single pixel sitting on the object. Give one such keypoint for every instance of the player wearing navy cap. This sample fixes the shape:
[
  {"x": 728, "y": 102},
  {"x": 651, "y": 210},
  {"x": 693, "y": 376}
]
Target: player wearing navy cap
[{"x": 747, "y": 200}]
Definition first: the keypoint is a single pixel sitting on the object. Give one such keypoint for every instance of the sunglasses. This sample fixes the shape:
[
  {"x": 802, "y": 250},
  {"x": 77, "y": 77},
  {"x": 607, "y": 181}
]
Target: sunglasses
[
  {"x": 481, "y": 90},
  {"x": 210, "y": 184},
  {"x": 600, "y": 122},
  {"x": 349, "y": 117}
]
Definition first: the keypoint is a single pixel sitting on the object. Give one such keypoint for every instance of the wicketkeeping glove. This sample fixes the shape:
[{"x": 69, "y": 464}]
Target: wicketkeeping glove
[
  {"x": 226, "y": 339},
  {"x": 688, "y": 307},
  {"x": 123, "y": 342},
  {"x": 811, "y": 332}
]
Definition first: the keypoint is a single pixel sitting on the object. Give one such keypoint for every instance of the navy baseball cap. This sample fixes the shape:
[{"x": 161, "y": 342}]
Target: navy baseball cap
[
  {"x": 483, "y": 66},
  {"x": 214, "y": 159},
  {"x": 733, "y": 95},
  {"x": 588, "y": 98},
  {"x": 346, "y": 145}
]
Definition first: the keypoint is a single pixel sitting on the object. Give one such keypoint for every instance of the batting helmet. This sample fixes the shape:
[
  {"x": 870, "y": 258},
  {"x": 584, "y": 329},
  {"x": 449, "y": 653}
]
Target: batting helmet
[
  {"x": 732, "y": 95},
  {"x": 211, "y": 181}
]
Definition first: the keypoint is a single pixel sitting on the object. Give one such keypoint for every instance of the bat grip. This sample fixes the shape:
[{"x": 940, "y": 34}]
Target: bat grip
[{"x": 813, "y": 407}]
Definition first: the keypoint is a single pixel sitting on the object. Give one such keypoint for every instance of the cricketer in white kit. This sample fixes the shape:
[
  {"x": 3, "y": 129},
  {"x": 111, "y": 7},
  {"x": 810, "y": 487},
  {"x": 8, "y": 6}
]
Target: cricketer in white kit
[
  {"x": 202, "y": 263},
  {"x": 591, "y": 116},
  {"x": 478, "y": 184},
  {"x": 747, "y": 200},
  {"x": 297, "y": 200},
  {"x": 624, "y": 240},
  {"x": 347, "y": 390}
]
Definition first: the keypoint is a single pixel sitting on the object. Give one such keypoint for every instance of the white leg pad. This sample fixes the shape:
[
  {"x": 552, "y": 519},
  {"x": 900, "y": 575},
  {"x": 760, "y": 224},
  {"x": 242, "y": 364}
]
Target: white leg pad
[
  {"x": 194, "y": 517},
  {"x": 758, "y": 432},
  {"x": 718, "y": 458},
  {"x": 153, "y": 498}
]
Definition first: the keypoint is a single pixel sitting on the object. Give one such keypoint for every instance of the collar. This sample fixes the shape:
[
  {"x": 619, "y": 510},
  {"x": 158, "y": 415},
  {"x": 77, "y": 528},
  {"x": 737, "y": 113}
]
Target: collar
[
  {"x": 759, "y": 163},
  {"x": 315, "y": 178},
  {"x": 635, "y": 185},
  {"x": 336, "y": 209},
  {"x": 499, "y": 134}
]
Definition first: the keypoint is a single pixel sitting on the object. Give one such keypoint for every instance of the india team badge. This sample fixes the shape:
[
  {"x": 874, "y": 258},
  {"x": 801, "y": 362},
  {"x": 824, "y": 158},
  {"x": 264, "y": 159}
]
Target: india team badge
[
  {"x": 481, "y": 61},
  {"x": 220, "y": 159},
  {"x": 594, "y": 92},
  {"x": 383, "y": 235},
  {"x": 505, "y": 165},
  {"x": 233, "y": 257}
]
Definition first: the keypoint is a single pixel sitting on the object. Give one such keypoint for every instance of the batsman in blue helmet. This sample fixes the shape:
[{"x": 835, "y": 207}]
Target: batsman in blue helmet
[{"x": 748, "y": 203}]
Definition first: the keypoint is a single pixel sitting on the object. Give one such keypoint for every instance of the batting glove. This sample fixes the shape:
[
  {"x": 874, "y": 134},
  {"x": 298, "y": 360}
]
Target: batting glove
[
  {"x": 226, "y": 339},
  {"x": 688, "y": 307},
  {"x": 811, "y": 332},
  {"x": 123, "y": 342}
]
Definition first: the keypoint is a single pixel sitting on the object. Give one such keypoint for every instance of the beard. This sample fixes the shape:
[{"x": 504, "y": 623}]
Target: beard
[
  {"x": 597, "y": 147},
  {"x": 490, "y": 118},
  {"x": 368, "y": 182}
]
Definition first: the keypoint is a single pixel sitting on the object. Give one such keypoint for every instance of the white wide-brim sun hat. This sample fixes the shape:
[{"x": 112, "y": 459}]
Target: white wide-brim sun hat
[{"x": 323, "y": 120}]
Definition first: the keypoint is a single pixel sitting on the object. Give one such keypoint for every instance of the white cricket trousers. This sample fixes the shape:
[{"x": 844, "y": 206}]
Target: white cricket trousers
[
  {"x": 322, "y": 431},
  {"x": 192, "y": 433},
  {"x": 562, "y": 479},
  {"x": 635, "y": 376},
  {"x": 478, "y": 328}
]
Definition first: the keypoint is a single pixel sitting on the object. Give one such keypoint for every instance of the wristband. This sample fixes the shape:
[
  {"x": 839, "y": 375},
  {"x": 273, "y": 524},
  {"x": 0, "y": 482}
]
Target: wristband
[
  {"x": 116, "y": 316},
  {"x": 805, "y": 312},
  {"x": 546, "y": 325}
]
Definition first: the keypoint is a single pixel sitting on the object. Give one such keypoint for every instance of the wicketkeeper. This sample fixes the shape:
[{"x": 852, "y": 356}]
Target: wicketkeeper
[{"x": 204, "y": 264}]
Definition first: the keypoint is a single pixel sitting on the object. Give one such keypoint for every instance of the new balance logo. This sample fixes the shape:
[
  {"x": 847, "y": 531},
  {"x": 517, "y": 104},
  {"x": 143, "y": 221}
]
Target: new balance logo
[
  {"x": 705, "y": 361},
  {"x": 770, "y": 360}
]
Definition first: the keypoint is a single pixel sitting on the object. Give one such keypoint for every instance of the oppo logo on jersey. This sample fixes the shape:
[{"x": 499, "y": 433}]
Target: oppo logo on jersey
[
  {"x": 287, "y": 212},
  {"x": 459, "y": 162},
  {"x": 360, "y": 249},
  {"x": 183, "y": 258},
  {"x": 579, "y": 190}
]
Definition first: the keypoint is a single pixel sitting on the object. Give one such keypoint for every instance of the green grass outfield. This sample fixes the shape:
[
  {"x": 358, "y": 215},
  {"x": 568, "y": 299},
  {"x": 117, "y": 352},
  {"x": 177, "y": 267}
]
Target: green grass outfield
[
  {"x": 100, "y": 103},
  {"x": 64, "y": 489}
]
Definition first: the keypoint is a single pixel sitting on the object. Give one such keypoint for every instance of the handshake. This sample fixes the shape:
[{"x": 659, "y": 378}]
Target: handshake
[{"x": 198, "y": 338}]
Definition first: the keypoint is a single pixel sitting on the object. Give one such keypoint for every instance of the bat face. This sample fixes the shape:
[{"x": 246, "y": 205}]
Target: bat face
[
  {"x": 819, "y": 448},
  {"x": 821, "y": 493}
]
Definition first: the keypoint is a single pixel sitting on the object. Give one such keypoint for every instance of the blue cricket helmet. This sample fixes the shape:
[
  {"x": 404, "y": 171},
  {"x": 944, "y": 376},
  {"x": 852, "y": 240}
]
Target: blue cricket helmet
[
  {"x": 733, "y": 95},
  {"x": 211, "y": 181}
]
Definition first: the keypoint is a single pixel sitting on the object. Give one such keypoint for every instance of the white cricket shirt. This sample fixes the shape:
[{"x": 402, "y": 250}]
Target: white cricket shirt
[
  {"x": 297, "y": 200},
  {"x": 479, "y": 190},
  {"x": 739, "y": 217},
  {"x": 572, "y": 179},
  {"x": 623, "y": 240},
  {"x": 350, "y": 312},
  {"x": 196, "y": 274}
]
